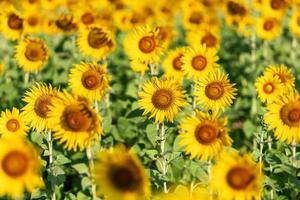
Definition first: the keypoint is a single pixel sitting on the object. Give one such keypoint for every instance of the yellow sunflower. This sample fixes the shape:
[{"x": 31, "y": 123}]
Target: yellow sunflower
[
  {"x": 235, "y": 11},
  {"x": 237, "y": 177},
  {"x": 73, "y": 121},
  {"x": 208, "y": 36},
  {"x": 268, "y": 28},
  {"x": 215, "y": 91},
  {"x": 162, "y": 99},
  {"x": 65, "y": 23},
  {"x": 294, "y": 22},
  {"x": 38, "y": 99},
  {"x": 144, "y": 44},
  {"x": 166, "y": 34},
  {"x": 31, "y": 54},
  {"x": 204, "y": 136},
  {"x": 20, "y": 167},
  {"x": 2, "y": 68},
  {"x": 284, "y": 74},
  {"x": 199, "y": 61},
  {"x": 173, "y": 63},
  {"x": 138, "y": 66},
  {"x": 283, "y": 115},
  {"x": 33, "y": 21},
  {"x": 194, "y": 16},
  {"x": 269, "y": 88},
  {"x": 86, "y": 16},
  {"x": 275, "y": 8},
  {"x": 120, "y": 175},
  {"x": 12, "y": 23},
  {"x": 12, "y": 122},
  {"x": 96, "y": 41},
  {"x": 89, "y": 80}
]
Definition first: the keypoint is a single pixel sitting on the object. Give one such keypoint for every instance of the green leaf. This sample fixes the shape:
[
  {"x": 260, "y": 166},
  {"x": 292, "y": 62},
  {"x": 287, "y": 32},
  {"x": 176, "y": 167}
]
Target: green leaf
[
  {"x": 81, "y": 168},
  {"x": 61, "y": 160},
  {"x": 151, "y": 132}
]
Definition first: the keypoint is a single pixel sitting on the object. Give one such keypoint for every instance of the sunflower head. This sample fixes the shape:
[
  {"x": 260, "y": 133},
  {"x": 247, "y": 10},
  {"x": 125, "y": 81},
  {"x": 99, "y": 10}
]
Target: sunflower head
[
  {"x": 120, "y": 175},
  {"x": 12, "y": 23},
  {"x": 268, "y": 28},
  {"x": 206, "y": 36},
  {"x": 294, "y": 22},
  {"x": 20, "y": 167},
  {"x": 162, "y": 99},
  {"x": 138, "y": 66},
  {"x": 66, "y": 23},
  {"x": 173, "y": 63}
]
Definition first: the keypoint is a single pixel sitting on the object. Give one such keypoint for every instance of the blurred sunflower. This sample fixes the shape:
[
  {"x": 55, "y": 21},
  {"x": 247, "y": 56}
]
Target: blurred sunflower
[
  {"x": 2, "y": 69},
  {"x": 12, "y": 23},
  {"x": 269, "y": 88},
  {"x": 29, "y": 5},
  {"x": 96, "y": 41},
  {"x": 193, "y": 16},
  {"x": 283, "y": 115},
  {"x": 215, "y": 91},
  {"x": 73, "y": 121},
  {"x": 268, "y": 28},
  {"x": 36, "y": 111},
  {"x": 237, "y": 177},
  {"x": 199, "y": 61},
  {"x": 275, "y": 8},
  {"x": 12, "y": 123},
  {"x": 20, "y": 167},
  {"x": 138, "y": 66},
  {"x": 294, "y": 22},
  {"x": 89, "y": 80},
  {"x": 208, "y": 36},
  {"x": 33, "y": 21},
  {"x": 120, "y": 175},
  {"x": 31, "y": 54},
  {"x": 284, "y": 74},
  {"x": 235, "y": 11},
  {"x": 162, "y": 99},
  {"x": 204, "y": 136},
  {"x": 166, "y": 34},
  {"x": 86, "y": 16},
  {"x": 173, "y": 64},
  {"x": 144, "y": 44},
  {"x": 65, "y": 23}
]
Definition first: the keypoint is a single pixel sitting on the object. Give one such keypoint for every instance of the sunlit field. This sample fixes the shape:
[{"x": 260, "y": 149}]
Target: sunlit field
[{"x": 150, "y": 99}]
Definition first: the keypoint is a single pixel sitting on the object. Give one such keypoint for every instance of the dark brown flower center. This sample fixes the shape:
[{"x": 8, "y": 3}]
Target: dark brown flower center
[
  {"x": 196, "y": 17},
  {"x": 268, "y": 88},
  {"x": 41, "y": 106},
  {"x": 235, "y": 9},
  {"x": 97, "y": 38},
  {"x": 78, "y": 117},
  {"x": 206, "y": 134},
  {"x": 177, "y": 62},
  {"x": 12, "y": 125},
  {"x": 35, "y": 51},
  {"x": 214, "y": 90},
  {"x": 239, "y": 178},
  {"x": 277, "y": 4},
  {"x": 162, "y": 99},
  {"x": 290, "y": 114},
  {"x": 91, "y": 80},
  {"x": 15, "y": 22},
  {"x": 33, "y": 20},
  {"x": 209, "y": 40},
  {"x": 15, "y": 164},
  {"x": 87, "y": 18},
  {"x": 199, "y": 63},
  {"x": 147, "y": 44},
  {"x": 66, "y": 23},
  {"x": 282, "y": 77},
  {"x": 269, "y": 25}
]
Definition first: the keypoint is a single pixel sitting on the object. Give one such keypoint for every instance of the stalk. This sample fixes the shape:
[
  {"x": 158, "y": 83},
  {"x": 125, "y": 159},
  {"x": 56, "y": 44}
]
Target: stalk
[
  {"x": 50, "y": 149},
  {"x": 164, "y": 163},
  {"x": 91, "y": 167}
]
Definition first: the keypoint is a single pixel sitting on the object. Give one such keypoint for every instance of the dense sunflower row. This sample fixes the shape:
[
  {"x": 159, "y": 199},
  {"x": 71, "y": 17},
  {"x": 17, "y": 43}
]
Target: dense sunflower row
[{"x": 179, "y": 84}]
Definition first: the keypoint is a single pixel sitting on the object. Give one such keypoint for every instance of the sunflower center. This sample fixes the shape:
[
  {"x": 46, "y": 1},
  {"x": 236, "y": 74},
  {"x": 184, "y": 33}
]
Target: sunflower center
[
  {"x": 147, "y": 44},
  {"x": 15, "y": 22},
  {"x": 12, "y": 125},
  {"x": 298, "y": 20},
  {"x": 209, "y": 39},
  {"x": 277, "y": 4},
  {"x": 290, "y": 114},
  {"x": 214, "y": 90},
  {"x": 235, "y": 9},
  {"x": 97, "y": 38},
  {"x": 196, "y": 18},
  {"x": 239, "y": 178},
  {"x": 78, "y": 118},
  {"x": 33, "y": 20},
  {"x": 177, "y": 62},
  {"x": 199, "y": 62},
  {"x": 15, "y": 164},
  {"x": 268, "y": 88},
  {"x": 87, "y": 18},
  {"x": 65, "y": 23},
  {"x": 124, "y": 178},
  {"x": 91, "y": 80},
  {"x": 269, "y": 25},
  {"x": 41, "y": 106},
  {"x": 35, "y": 52},
  {"x": 281, "y": 77},
  {"x": 163, "y": 33},
  {"x": 206, "y": 134},
  {"x": 162, "y": 99}
]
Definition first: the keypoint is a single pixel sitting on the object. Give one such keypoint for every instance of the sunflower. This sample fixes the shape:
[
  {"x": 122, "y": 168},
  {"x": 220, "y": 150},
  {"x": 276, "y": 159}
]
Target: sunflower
[
  {"x": 33, "y": 21},
  {"x": 166, "y": 34},
  {"x": 208, "y": 36},
  {"x": 12, "y": 122},
  {"x": 89, "y": 80},
  {"x": 66, "y": 23},
  {"x": 204, "y": 136},
  {"x": 138, "y": 66},
  {"x": 215, "y": 91},
  {"x": 173, "y": 63},
  {"x": 2, "y": 69},
  {"x": 162, "y": 99},
  {"x": 86, "y": 16},
  {"x": 237, "y": 177},
  {"x": 294, "y": 22},
  {"x": 199, "y": 61},
  {"x": 283, "y": 115},
  {"x": 144, "y": 44},
  {"x": 193, "y": 16},
  {"x": 120, "y": 175},
  {"x": 38, "y": 99},
  {"x": 12, "y": 23},
  {"x": 275, "y": 8},
  {"x": 31, "y": 54},
  {"x": 235, "y": 11},
  {"x": 73, "y": 121},
  {"x": 269, "y": 88},
  {"x": 20, "y": 167},
  {"x": 96, "y": 41},
  {"x": 268, "y": 28},
  {"x": 284, "y": 74}
]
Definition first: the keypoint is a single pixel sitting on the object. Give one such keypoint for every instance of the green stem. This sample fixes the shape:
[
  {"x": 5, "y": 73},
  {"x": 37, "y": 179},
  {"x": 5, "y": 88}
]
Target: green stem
[
  {"x": 26, "y": 78},
  {"x": 164, "y": 163},
  {"x": 294, "y": 151},
  {"x": 91, "y": 167},
  {"x": 271, "y": 167},
  {"x": 50, "y": 149}
]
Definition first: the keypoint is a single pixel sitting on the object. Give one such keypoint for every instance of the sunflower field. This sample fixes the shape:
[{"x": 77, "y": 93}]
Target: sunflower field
[{"x": 150, "y": 99}]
